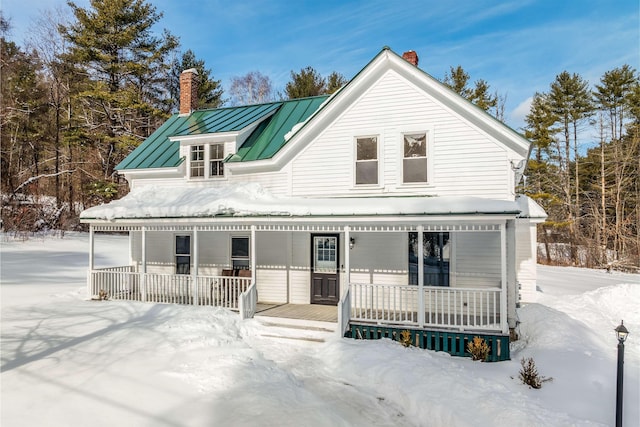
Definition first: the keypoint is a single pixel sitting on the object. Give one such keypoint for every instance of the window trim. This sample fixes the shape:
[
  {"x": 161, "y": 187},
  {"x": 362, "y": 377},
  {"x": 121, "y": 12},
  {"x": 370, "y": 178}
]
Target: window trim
[{"x": 354, "y": 162}]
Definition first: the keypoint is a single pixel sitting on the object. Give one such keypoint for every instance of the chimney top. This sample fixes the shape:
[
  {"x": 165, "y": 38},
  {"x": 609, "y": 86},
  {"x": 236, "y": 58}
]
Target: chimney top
[
  {"x": 411, "y": 56},
  {"x": 188, "y": 91}
]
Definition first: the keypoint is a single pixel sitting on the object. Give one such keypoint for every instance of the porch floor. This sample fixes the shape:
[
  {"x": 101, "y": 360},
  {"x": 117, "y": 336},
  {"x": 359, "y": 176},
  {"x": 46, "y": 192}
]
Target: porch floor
[{"x": 315, "y": 312}]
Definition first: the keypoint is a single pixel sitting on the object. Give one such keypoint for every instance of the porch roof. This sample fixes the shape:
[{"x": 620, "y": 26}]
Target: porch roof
[{"x": 253, "y": 201}]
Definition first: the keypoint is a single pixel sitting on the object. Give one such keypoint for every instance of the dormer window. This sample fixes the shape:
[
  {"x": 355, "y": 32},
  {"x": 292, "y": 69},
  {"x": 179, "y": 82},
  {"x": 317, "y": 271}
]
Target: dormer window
[
  {"x": 197, "y": 161},
  {"x": 206, "y": 161},
  {"x": 216, "y": 156}
]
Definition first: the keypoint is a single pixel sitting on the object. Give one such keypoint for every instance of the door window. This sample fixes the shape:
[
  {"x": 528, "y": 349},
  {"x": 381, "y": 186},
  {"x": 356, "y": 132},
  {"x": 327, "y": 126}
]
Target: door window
[{"x": 325, "y": 254}]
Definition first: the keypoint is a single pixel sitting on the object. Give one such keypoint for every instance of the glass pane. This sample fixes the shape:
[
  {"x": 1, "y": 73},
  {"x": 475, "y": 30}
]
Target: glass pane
[
  {"x": 197, "y": 169},
  {"x": 216, "y": 151},
  {"x": 183, "y": 245},
  {"x": 367, "y": 172},
  {"x": 414, "y": 170},
  {"x": 241, "y": 264},
  {"x": 415, "y": 145},
  {"x": 325, "y": 253},
  {"x": 367, "y": 148},
  {"x": 182, "y": 264},
  {"x": 197, "y": 152},
  {"x": 216, "y": 168},
  {"x": 436, "y": 258},
  {"x": 239, "y": 247}
]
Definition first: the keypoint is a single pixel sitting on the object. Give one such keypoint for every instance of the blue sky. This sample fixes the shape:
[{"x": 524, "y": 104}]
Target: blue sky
[{"x": 517, "y": 46}]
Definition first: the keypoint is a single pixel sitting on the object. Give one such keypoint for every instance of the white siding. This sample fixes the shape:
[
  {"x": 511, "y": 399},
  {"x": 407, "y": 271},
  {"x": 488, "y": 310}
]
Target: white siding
[
  {"x": 465, "y": 160},
  {"x": 477, "y": 260},
  {"x": 526, "y": 259},
  {"x": 379, "y": 258}
]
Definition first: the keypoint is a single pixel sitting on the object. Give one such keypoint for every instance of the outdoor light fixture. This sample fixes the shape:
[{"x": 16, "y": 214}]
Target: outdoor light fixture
[
  {"x": 352, "y": 243},
  {"x": 621, "y": 334}
]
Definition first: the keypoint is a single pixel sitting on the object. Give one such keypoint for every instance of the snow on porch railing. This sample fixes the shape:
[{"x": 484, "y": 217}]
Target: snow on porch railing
[
  {"x": 344, "y": 312},
  {"x": 118, "y": 283},
  {"x": 459, "y": 308},
  {"x": 248, "y": 301}
]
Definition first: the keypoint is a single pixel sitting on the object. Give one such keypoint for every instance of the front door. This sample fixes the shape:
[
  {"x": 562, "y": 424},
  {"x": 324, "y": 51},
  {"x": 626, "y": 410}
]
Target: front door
[{"x": 325, "y": 287}]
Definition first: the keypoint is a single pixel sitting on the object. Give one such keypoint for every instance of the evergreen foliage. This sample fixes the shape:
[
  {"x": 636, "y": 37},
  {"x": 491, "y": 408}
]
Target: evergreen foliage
[
  {"x": 308, "y": 82},
  {"x": 209, "y": 90}
]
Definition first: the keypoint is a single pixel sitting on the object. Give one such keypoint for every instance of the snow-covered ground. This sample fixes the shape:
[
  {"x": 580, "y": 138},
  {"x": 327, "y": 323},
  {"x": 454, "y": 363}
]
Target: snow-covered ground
[{"x": 71, "y": 362}]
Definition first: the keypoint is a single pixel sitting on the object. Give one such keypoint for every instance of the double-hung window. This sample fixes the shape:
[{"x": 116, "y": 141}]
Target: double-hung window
[
  {"x": 216, "y": 156},
  {"x": 183, "y": 255},
  {"x": 197, "y": 161},
  {"x": 414, "y": 161},
  {"x": 367, "y": 160},
  {"x": 436, "y": 253}
]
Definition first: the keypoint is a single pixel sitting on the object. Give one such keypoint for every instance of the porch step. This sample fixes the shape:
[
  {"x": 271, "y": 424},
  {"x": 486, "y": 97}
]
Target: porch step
[{"x": 296, "y": 329}]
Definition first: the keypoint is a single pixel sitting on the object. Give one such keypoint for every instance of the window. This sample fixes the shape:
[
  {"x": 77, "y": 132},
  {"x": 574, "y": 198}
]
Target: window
[
  {"x": 183, "y": 255},
  {"x": 367, "y": 161},
  {"x": 240, "y": 253},
  {"x": 414, "y": 161},
  {"x": 197, "y": 161},
  {"x": 216, "y": 155},
  {"x": 325, "y": 254},
  {"x": 436, "y": 250}
]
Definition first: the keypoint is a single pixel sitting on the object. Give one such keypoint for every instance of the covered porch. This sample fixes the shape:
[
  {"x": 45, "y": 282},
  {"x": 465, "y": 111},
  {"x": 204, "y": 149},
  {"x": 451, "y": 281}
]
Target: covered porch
[{"x": 373, "y": 285}]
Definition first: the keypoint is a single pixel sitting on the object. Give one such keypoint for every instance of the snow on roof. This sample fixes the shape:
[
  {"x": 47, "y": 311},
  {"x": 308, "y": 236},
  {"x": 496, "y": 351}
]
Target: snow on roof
[
  {"x": 253, "y": 200},
  {"x": 529, "y": 208}
]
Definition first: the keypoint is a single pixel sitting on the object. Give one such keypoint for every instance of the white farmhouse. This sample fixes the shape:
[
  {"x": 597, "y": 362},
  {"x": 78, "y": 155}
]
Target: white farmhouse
[{"x": 392, "y": 200}]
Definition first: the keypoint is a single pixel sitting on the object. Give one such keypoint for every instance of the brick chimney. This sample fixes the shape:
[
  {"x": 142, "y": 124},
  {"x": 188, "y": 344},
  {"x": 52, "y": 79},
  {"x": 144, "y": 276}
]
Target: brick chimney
[
  {"x": 411, "y": 57},
  {"x": 188, "y": 91}
]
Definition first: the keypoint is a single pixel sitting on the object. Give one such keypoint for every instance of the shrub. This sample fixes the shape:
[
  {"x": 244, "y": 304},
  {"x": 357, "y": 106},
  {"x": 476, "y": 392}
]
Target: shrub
[
  {"x": 405, "y": 338},
  {"x": 529, "y": 374},
  {"x": 479, "y": 349}
]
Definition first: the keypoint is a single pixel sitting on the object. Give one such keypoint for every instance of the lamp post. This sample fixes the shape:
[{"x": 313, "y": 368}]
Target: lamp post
[{"x": 621, "y": 334}]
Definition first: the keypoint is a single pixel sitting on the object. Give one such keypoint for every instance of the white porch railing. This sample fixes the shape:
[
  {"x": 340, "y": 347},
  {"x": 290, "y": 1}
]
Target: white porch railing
[
  {"x": 248, "y": 301},
  {"x": 123, "y": 283},
  {"x": 344, "y": 312},
  {"x": 457, "y": 308}
]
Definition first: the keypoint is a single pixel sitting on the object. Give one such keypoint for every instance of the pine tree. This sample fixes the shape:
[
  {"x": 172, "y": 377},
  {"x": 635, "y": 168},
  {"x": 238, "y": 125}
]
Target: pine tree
[
  {"x": 112, "y": 42},
  {"x": 209, "y": 90},
  {"x": 308, "y": 82}
]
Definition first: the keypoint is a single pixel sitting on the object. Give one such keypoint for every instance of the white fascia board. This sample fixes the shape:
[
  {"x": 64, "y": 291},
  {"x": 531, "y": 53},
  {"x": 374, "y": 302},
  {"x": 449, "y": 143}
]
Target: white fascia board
[
  {"x": 161, "y": 171},
  {"x": 204, "y": 138}
]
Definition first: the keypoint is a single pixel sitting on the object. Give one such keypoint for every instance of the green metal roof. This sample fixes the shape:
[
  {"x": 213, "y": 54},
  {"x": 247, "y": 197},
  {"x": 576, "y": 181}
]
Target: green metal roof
[
  {"x": 157, "y": 151},
  {"x": 269, "y": 137}
]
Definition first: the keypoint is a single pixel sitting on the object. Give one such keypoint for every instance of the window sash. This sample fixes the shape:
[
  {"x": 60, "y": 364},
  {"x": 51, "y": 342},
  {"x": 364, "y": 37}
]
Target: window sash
[
  {"x": 183, "y": 254},
  {"x": 436, "y": 258},
  {"x": 197, "y": 161},
  {"x": 366, "y": 167},
  {"x": 414, "y": 161},
  {"x": 216, "y": 157}
]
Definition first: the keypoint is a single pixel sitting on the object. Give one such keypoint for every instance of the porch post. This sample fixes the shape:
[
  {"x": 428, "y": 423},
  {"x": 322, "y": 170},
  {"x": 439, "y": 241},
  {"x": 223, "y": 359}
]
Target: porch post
[
  {"x": 143, "y": 267},
  {"x": 420, "y": 230},
  {"x": 503, "y": 280},
  {"x": 91, "y": 261},
  {"x": 347, "y": 258},
  {"x": 196, "y": 262},
  {"x": 252, "y": 259}
]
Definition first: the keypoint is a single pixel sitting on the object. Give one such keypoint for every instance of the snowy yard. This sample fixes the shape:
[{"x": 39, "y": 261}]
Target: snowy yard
[{"x": 71, "y": 362}]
